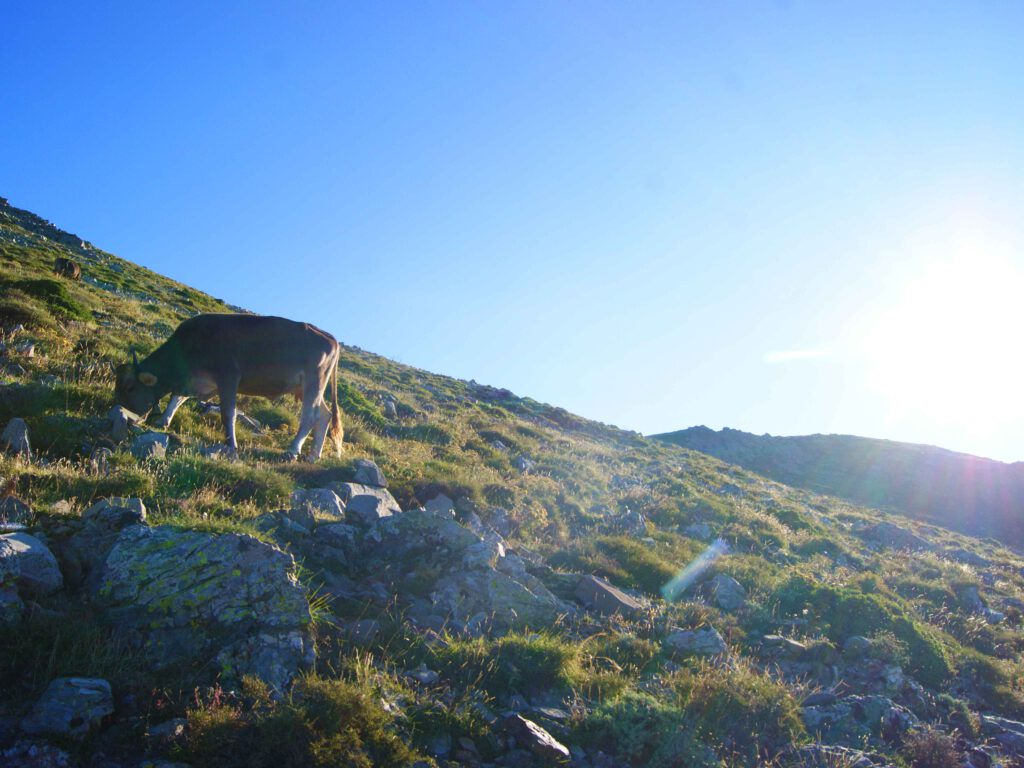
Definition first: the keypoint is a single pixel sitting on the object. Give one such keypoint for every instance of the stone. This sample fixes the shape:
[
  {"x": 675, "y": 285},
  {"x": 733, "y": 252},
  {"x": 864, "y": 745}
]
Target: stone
[
  {"x": 321, "y": 502},
  {"x": 368, "y": 473},
  {"x": 14, "y": 511},
  {"x": 49, "y": 381},
  {"x": 856, "y": 646},
  {"x": 39, "y": 573},
  {"x": 441, "y": 505},
  {"x": 697, "y": 642},
  {"x": 727, "y": 593},
  {"x": 272, "y": 657},
  {"x": 150, "y": 445},
  {"x": 523, "y": 464},
  {"x": 424, "y": 676},
  {"x": 784, "y": 646},
  {"x": 971, "y": 599},
  {"x": 598, "y": 595},
  {"x": 99, "y": 461},
  {"x": 857, "y": 717},
  {"x": 70, "y": 706},
  {"x": 531, "y": 736},
  {"x": 169, "y": 731},
  {"x": 81, "y": 554},
  {"x": 116, "y": 512},
  {"x": 390, "y": 410},
  {"x": 11, "y": 606},
  {"x": 30, "y": 754},
  {"x": 14, "y": 438},
  {"x": 365, "y": 503},
  {"x": 120, "y": 421},
  {"x": 191, "y": 594}
]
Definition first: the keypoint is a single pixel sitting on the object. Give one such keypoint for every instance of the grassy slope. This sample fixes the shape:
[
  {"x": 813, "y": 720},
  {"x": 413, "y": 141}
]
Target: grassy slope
[{"x": 797, "y": 553}]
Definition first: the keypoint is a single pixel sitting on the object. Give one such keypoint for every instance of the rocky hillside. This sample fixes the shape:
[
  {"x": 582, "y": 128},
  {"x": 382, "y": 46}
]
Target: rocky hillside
[
  {"x": 482, "y": 580},
  {"x": 977, "y": 496}
]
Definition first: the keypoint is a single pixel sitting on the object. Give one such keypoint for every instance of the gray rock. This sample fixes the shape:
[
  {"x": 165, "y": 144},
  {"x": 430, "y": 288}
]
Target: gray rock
[
  {"x": 188, "y": 594},
  {"x": 30, "y": 754},
  {"x": 14, "y": 438},
  {"x": 700, "y": 531},
  {"x": 698, "y": 642},
  {"x": 14, "y": 511},
  {"x": 855, "y": 717},
  {"x": 39, "y": 573},
  {"x": 531, "y": 736},
  {"x": 598, "y": 595},
  {"x": 784, "y": 646},
  {"x": 321, "y": 502},
  {"x": 390, "y": 410},
  {"x": 11, "y": 606},
  {"x": 424, "y": 676},
  {"x": 99, "y": 461},
  {"x": 70, "y": 706},
  {"x": 116, "y": 512},
  {"x": 25, "y": 349},
  {"x": 856, "y": 646},
  {"x": 120, "y": 421},
  {"x": 168, "y": 731},
  {"x": 151, "y": 445},
  {"x": 368, "y": 473},
  {"x": 441, "y": 505},
  {"x": 365, "y": 503},
  {"x": 81, "y": 554},
  {"x": 967, "y": 557},
  {"x": 971, "y": 599},
  {"x": 523, "y": 464},
  {"x": 272, "y": 657},
  {"x": 49, "y": 381},
  {"x": 727, "y": 593}
]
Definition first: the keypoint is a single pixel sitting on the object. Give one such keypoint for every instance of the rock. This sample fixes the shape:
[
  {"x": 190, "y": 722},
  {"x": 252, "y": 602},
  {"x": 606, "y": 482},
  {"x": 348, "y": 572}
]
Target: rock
[
  {"x": 390, "y": 410},
  {"x": 25, "y": 349},
  {"x": 523, "y": 464},
  {"x": 368, "y": 473},
  {"x": 698, "y": 642},
  {"x": 700, "y": 531},
  {"x": 39, "y": 573},
  {"x": 81, "y": 554},
  {"x": 967, "y": 557},
  {"x": 14, "y": 438},
  {"x": 28, "y": 754},
  {"x": 116, "y": 512},
  {"x": 598, "y": 595},
  {"x": 120, "y": 421},
  {"x": 727, "y": 593},
  {"x": 441, "y": 505},
  {"x": 99, "y": 461},
  {"x": 971, "y": 599},
  {"x": 363, "y": 631},
  {"x": 11, "y": 605},
  {"x": 169, "y": 731},
  {"x": 321, "y": 502},
  {"x": 632, "y": 523},
  {"x": 854, "y": 718},
  {"x": 366, "y": 504},
  {"x": 150, "y": 445},
  {"x": 49, "y": 381},
  {"x": 856, "y": 646},
  {"x": 272, "y": 657},
  {"x": 829, "y": 755},
  {"x": 531, "y": 736},
  {"x": 14, "y": 511},
  {"x": 70, "y": 706},
  {"x": 820, "y": 699},
  {"x": 189, "y": 594},
  {"x": 15, "y": 369},
  {"x": 783, "y": 646},
  {"x": 895, "y": 537},
  {"x": 424, "y": 676}
]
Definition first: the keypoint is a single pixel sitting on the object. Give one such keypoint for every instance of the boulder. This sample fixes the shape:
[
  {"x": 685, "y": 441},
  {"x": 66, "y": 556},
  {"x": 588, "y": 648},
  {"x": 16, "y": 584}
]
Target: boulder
[
  {"x": 319, "y": 502},
  {"x": 856, "y": 646},
  {"x": 368, "y": 473},
  {"x": 365, "y": 503},
  {"x": 151, "y": 445},
  {"x": 14, "y": 438},
  {"x": 39, "y": 573},
  {"x": 189, "y": 595},
  {"x": 81, "y": 553},
  {"x": 598, "y": 595},
  {"x": 855, "y": 718},
  {"x": 70, "y": 706},
  {"x": 696, "y": 642},
  {"x": 14, "y": 511},
  {"x": 116, "y": 512},
  {"x": 441, "y": 504},
  {"x": 523, "y": 464},
  {"x": 390, "y": 410},
  {"x": 532, "y": 737},
  {"x": 728, "y": 594},
  {"x": 120, "y": 421},
  {"x": 11, "y": 606}
]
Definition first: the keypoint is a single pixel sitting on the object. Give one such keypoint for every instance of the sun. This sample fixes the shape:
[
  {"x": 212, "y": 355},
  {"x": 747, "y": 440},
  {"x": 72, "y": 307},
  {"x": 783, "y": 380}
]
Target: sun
[{"x": 950, "y": 347}]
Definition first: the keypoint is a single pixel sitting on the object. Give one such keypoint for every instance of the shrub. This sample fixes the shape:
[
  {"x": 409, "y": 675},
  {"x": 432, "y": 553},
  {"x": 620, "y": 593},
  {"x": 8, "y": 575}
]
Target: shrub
[
  {"x": 931, "y": 749},
  {"x": 53, "y": 294}
]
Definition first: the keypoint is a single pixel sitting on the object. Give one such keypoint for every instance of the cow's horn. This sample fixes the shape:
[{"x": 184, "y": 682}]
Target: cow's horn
[{"x": 135, "y": 358}]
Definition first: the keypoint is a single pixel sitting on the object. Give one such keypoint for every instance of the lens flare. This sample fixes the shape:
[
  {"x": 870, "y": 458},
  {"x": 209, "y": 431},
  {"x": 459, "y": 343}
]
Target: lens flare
[{"x": 693, "y": 570}]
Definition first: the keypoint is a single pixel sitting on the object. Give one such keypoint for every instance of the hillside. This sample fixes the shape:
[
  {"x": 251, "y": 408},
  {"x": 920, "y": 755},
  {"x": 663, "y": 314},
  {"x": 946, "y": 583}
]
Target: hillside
[
  {"x": 481, "y": 580},
  {"x": 977, "y": 496}
]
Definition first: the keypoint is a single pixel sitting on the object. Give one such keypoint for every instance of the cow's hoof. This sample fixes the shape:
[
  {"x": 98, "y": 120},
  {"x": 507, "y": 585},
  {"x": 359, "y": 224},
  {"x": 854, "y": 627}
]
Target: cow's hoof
[
  {"x": 291, "y": 456},
  {"x": 311, "y": 458}
]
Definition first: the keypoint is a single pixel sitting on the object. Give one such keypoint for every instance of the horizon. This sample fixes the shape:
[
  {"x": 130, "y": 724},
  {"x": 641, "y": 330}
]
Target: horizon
[{"x": 780, "y": 219}]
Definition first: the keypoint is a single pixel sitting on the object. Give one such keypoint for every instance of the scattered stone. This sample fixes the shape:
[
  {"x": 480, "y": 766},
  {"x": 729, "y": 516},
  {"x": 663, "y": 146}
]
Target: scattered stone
[
  {"x": 14, "y": 511},
  {"x": 698, "y": 642},
  {"x": 783, "y": 646},
  {"x": 14, "y": 438},
  {"x": 598, "y": 595},
  {"x": 169, "y": 731},
  {"x": 29, "y": 754},
  {"x": 523, "y": 464},
  {"x": 70, "y": 706},
  {"x": 366, "y": 504},
  {"x": 441, "y": 505},
  {"x": 531, "y": 736},
  {"x": 151, "y": 445},
  {"x": 368, "y": 473},
  {"x": 39, "y": 573},
  {"x": 424, "y": 676},
  {"x": 727, "y": 593},
  {"x": 856, "y": 646},
  {"x": 321, "y": 502},
  {"x": 855, "y": 717},
  {"x": 273, "y": 657},
  {"x": 120, "y": 421}
]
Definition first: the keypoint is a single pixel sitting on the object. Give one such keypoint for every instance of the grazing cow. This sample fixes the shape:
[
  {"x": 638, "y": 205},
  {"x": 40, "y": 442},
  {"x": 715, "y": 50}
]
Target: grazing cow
[
  {"x": 247, "y": 354},
  {"x": 67, "y": 268}
]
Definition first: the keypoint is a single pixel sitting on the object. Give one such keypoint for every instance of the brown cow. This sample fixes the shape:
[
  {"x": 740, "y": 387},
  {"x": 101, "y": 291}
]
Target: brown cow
[
  {"x": 247, "y": 354},
  {"x": 67, "y": 268}
]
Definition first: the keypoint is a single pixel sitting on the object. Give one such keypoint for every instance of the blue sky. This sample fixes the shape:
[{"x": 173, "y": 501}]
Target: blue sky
[{"x": 783, "y": 217}]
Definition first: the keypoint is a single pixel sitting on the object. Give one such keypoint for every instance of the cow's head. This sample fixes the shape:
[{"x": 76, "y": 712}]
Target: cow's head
[{"x": 135, "y": 389}]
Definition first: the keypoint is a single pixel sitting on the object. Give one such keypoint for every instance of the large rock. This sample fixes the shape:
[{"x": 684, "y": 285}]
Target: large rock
[
  {"x": 531, "y": 736},
  {"x": 365, "y": 503},
  {"x": 120, "y": 421},
  {"x": 319, "y": 502},
  {"x": 696, "y": 642},
  {"x": 33, "y": 754},
  {"x": 70, "y": 706},
  {"x": 597, "y": 594},
  {"x": 83, "y": 550},
  {"x": 14, "y": 512},
  {"x": 151, "y": 445},
  {"x": 728, "y": 594},
  {"x": 272, "y": 657},
  {"x": 368, "y": 473},
  {"x": 14, "y": 438},
  {"x": 187, "y": 594},
  {"x": 39, "y": 573},
  {"x": 856, "y": 718},
  {"x": 11, "y": 605}
]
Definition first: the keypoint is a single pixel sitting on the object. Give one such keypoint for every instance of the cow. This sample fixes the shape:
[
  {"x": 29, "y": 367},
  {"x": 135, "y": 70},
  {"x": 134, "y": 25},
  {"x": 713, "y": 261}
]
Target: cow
[
  {"x": 67, "y": 268},
  {"x": 232, "y": 354}
]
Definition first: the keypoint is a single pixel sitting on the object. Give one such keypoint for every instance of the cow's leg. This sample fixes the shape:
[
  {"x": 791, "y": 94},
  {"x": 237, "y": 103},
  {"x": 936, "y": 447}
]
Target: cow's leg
[
  {"x": 309, "y": 416},
  {"x": 228, "y": 390},
  {"x": 172, "y": 408},
  {"x": 323, "y": 423}
]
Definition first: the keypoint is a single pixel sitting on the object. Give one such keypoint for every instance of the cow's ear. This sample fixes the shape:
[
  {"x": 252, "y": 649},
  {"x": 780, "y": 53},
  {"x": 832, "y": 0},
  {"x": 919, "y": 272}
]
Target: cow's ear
[{"x": 147, "y": 379}]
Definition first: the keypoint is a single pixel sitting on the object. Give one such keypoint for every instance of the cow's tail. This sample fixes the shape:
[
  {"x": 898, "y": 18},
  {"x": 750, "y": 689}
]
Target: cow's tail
[{"x": 337, "y": 430}]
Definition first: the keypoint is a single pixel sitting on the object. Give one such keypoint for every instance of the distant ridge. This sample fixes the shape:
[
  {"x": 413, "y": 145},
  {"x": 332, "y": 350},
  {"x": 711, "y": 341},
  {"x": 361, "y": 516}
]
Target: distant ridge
[{"x": 982, "y": 497}]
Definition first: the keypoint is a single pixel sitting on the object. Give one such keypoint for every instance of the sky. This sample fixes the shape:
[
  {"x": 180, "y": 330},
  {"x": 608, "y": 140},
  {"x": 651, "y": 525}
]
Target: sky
[{"x": 782, "y": 217}]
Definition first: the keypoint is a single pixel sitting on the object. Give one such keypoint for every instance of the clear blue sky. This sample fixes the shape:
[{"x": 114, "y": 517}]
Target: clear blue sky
[{"x": 785, "y": 217}]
